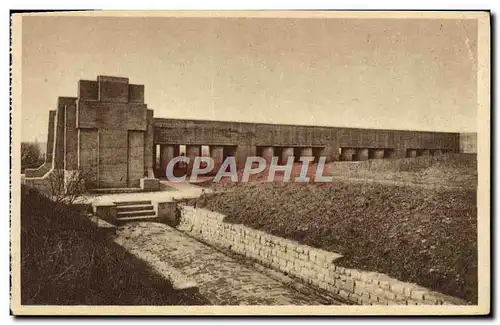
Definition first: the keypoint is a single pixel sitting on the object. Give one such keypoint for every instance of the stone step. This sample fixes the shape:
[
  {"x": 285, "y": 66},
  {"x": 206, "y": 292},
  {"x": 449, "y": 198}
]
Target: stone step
[
  {"x": 127, "y": 214},
  {"x": 123, "y": 203},
  {"x": 121, "y": 221},
  {"x": 124, "y": 208}
]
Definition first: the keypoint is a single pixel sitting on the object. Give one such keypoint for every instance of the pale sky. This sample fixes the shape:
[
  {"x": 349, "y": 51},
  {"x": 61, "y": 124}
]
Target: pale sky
[{"x": 417, "y": 74}]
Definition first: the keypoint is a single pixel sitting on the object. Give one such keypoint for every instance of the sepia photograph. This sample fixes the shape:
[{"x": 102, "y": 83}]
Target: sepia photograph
[{"x": 250, "y": 163}]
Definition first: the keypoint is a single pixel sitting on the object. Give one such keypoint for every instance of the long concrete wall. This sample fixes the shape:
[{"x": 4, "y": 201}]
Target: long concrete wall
[
  {"x": 109, "y": 132},
  {"x": 326, "y": 140}
]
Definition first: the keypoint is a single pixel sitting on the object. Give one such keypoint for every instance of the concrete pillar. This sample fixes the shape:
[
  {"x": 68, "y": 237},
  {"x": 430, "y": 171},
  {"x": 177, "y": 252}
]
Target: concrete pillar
[
  {"x": 135, "y": 158},
  {"x": 192, "y": 151},
  {"x": 153, "y": 157},
  {"x": 268, "y": 154},
  {"x": 149, "y": 146},
  {"x": 217, "y": 154},
  {"x": 423, "y": 152},
  {"x": 70, "y": 138},
  {"x": 306, "y": 152},
  {"x": 346, "y": 154},
  {"x": 285, "y": 153},
  {"x": 362, "y": 154},
  {"x": 330, "y": 153},
  {"x": 411, "y": 153},
  {"x": 242, "y": 152},
  {"x": 167, "y": 153},
  {"x": 58, "y": 151},
  {"x": 378, "y": 153},
  {"x": 50, "y": 137}
]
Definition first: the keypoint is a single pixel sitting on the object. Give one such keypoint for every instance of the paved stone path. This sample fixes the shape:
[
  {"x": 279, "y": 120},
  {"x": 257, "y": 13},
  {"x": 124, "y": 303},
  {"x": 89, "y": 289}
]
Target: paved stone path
[{"x": 222, "y": 279}]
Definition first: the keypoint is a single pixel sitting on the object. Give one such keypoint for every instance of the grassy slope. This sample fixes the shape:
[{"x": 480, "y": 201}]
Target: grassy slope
[
  {"x": 416, "y": 234},
  {"x": 66, "y": 261}
]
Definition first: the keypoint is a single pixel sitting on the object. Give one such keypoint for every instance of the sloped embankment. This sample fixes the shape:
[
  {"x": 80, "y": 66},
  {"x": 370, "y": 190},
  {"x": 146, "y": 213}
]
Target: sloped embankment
[
  {"x": 415, "y": 234},
  {"x": 66, "y": 261}
]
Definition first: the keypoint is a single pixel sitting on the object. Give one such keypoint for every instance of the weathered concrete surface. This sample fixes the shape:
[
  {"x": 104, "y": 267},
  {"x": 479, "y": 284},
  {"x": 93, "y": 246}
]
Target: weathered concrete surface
[
  {"x": 412, "y": 153},
  {"x": 221, "y": 279},
  {"x": 113, "y": 162},
  {"x": 88, "y": 90},
  {"x": 70, "y": 138},
  {"x": 135, "y": 158},
  {"x": 176, "y": 131},
  {"x": 149, "y": 152},
  {"x": 136, "y": 93},
  {"x": 244, "y": 151},
  {"x": 285, "y": 154},
  {"x": 268, "y": 154},
  {"x": 306, "y": 152},
  {"x": 59, "y": 134},
  {"x": 113, "y": 89},
  {"x": 88, "y": 141},
  {"x": 128, "y": 116},
  {"x": 167, "y": 153},
  {"x": 217, "y": 154},
  {"x": 149, "y": 184},
  {"x": 362, "y": 154},
  {"x": 49, "y": 154}
]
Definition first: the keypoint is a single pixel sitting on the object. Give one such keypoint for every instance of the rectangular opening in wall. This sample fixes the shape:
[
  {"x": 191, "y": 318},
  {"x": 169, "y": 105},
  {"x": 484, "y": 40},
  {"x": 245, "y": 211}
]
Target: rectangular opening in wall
[
  {"x": 278, "y": 153},
  {"x": 296, "y": 154},
  {"x": 317, "y": 151},
  {"x": 389, "y": 153},
  {"x": 229, "y": 151}
]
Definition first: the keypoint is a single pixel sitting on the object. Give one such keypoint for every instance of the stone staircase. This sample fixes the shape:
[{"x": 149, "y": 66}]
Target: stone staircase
[{"x": 127, "y": 211}]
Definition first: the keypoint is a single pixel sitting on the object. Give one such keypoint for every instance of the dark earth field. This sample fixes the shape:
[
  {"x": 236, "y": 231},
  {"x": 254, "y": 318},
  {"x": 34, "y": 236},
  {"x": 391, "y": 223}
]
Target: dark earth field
[{"x": 416, "y": 229}]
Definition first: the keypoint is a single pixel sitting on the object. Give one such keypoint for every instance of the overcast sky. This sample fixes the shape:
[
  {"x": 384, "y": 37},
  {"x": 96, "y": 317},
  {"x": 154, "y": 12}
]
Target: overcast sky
[{"x": 373, "y": 73}]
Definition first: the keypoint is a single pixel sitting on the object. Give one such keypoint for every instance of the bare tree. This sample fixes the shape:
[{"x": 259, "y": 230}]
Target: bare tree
[{"x": 67, "y": 186}]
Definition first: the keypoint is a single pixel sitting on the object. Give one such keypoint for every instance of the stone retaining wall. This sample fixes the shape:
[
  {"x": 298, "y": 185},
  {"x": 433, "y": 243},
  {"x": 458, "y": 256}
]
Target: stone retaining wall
[{"x": 312, "y": 265}]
